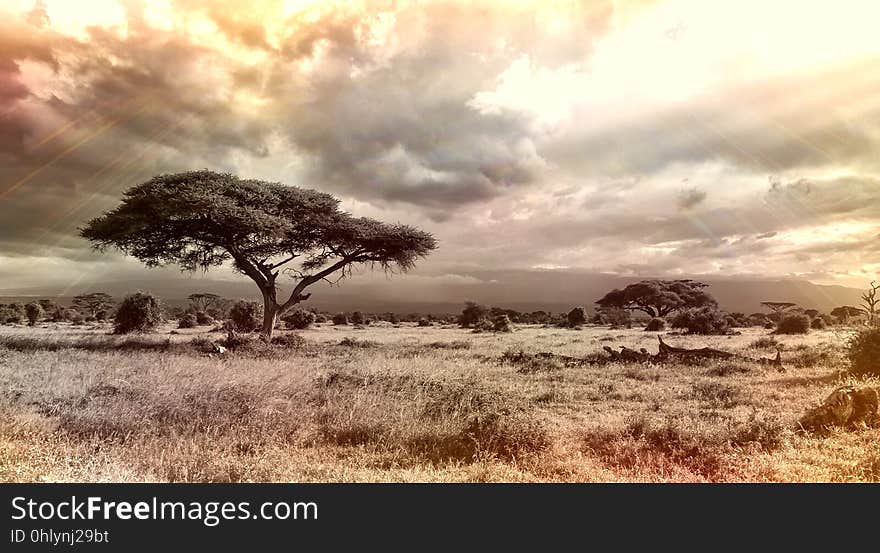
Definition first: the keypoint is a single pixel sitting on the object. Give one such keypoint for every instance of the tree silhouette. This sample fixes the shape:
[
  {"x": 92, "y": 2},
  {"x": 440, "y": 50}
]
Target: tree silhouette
[
  {"x": 203, "y": 301},
  {"x": 870, "y": 301},
  {"x": 658, "y": 298},
  {"x": 202, "y": 219},
  {"x": 90, "y": 304}
]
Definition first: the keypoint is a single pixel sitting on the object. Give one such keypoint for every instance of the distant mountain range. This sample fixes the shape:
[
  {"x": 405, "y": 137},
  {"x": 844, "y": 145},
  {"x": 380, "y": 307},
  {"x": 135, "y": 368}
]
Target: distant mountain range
[{"x": 523, "y": 290}]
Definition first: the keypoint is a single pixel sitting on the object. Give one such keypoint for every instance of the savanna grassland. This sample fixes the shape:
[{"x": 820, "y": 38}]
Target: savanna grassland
[{"x": 407, "y": 403}]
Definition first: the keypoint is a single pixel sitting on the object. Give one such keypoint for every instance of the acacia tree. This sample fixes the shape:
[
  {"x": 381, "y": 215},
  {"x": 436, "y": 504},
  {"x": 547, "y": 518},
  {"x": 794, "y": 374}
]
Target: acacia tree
[
  {"x": 778, "y": 307},
  {"x": 93, "y": 302},
  {"x": 658, "y": 298},
  {"x": 844, "y": 312},
  {"x": 201, "y": 219},
  {"x": 203, "y": 301}
]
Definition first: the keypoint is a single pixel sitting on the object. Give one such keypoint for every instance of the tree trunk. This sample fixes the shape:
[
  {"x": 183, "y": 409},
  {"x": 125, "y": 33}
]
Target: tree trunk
[{"x": 270, "y": 315}]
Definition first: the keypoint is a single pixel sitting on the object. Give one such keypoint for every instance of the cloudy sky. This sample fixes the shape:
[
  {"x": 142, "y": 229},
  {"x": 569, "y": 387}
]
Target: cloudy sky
[{"x": 637, "y": 138}]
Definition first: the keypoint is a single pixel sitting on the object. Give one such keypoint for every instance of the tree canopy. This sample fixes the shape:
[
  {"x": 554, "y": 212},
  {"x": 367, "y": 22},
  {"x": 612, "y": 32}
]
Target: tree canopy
[
  {"x": 659, "y": 298},
  {"x": 93, "y": 302},
  {"x": 778, "y": 306},
  {"x": 203, "y": 219}
]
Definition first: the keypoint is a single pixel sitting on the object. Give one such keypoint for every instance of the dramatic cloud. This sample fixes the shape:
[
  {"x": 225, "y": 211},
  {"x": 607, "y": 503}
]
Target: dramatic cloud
[{"x": 668, "y": 137}]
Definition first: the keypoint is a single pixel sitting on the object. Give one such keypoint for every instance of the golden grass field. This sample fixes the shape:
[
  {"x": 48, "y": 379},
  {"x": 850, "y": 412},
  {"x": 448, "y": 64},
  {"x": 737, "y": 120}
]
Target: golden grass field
[{"x": 403, "y": 404}]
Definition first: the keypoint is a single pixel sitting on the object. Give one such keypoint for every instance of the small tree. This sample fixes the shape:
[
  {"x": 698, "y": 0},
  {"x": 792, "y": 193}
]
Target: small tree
[
  {"x": 33, "y": 311},
  {"x": 202, "y": 219},
  {"x": 245, "y": 316},
  {"x": 870, "y": 301},
  {"x": 577, "y": 317},
  {"x": 340, "y": 319},
  {"x": 138, "y": 312}
]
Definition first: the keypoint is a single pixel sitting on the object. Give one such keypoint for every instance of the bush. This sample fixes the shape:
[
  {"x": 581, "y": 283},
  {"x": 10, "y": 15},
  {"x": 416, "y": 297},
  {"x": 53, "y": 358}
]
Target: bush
[
  {"x": 472, "y": 314},
  {"x": 340, "y": 319},
  {"x": 321, "y": 318},
  {"x": 102, "y": 315},
  {"x": 245, "y": 316},
  {"x": 577, "y": 317},
  {"x": 425, "y": 322},
  {"x": 863, "y": 352},
  {"x": 655, "y": 325},
  {"x": 74, "y": 317},
  {"x": 188, "y": 320},
  {"x": 203, "y": 319},
  {"x": 703, "y": 320},
  {"x": 138, "y": 312},
  {"x": 33, "y": 311},
  {"x": 794, "y": 323},
  {"x": 9, "y": 315},
  {"x": 358, "y": 318},
  {"x": 615, "y": 317},
  {"x": 299, "y": 319},
  {"x": 501, "y": 323},
  {"x": 483, "y": 325},
  {"x": 818, "y": 323}
]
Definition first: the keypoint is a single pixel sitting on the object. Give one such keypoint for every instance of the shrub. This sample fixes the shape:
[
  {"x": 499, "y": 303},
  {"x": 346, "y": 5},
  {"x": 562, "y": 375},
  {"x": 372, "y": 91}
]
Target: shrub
[
  {"x": 425, "y": 322},
  {"x": 138, "y": 312},
  {"x": 577, "y": 317},
  {"x": 501, "y": 323},
  {"x": 655, "y": 325},
  {"x": 703, "y": 320},
  {"x": 863, "y": 352},
  {"x": 290, "y": 341},
  {"x": 102, "y": 315},
  {"x": 9, "y": 315},
  {"x": 615, "y": 317},
  {"x": 245, "y": 316},
  {"x": 793, "y": 323},
  {"x": 188, "y": 320},
  {"x": 58, "y": 315},
  {"x": 472, "y": 314},
  {"x": 299, "y": 319},
  {"x": 483, "y": 325},
  {"x": 818, "y": 323},
  {"x": 766, "y": 342},
  {"x": 358, "y": 318},
  {"x": 33, "y": 311},
  {"x": 321, "y": 318},
  {"x": 340, "y": 319},
  {"x": 203, "y": 319},
  {"x": 75, "y": 317}
]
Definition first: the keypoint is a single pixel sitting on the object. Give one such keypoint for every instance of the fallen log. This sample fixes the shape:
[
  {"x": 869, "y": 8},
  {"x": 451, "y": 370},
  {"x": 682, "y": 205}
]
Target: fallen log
[{"x": 667, "y": 353}]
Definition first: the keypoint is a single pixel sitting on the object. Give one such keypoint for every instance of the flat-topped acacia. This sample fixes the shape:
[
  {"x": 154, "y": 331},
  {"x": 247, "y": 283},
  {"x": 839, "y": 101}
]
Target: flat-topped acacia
[{"x": 201, "y": 219}]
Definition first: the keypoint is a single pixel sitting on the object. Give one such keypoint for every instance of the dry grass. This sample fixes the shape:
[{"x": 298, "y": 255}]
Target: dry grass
[{"x": 414, "y": 404}]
